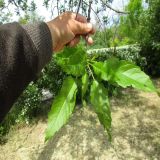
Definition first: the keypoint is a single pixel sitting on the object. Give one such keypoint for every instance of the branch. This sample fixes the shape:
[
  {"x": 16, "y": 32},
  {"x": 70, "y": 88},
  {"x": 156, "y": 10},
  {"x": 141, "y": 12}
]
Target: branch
[
  {"x": 89, "y": 11},
  {"x": 14, "y": 2},
  {"x": 79, "y": 5},
  {"x": 58, "y": 7},
  {"x": 95, "y": 14},
  {"x": 113, "y": 9}
]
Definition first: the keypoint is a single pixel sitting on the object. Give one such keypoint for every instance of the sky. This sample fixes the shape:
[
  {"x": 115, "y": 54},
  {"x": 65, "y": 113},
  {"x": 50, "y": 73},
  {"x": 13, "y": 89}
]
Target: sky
[
  {"x": 117, "y": 4},
  {"x": 42, "y": 11}
]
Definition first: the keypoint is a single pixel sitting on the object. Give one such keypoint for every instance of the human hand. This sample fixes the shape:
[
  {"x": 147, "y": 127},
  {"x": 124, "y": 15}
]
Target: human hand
[{"x": 66, "y": 29}]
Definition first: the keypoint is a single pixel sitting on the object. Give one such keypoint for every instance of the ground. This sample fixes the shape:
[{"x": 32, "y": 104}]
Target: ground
[{"x": 135, "y": 132}]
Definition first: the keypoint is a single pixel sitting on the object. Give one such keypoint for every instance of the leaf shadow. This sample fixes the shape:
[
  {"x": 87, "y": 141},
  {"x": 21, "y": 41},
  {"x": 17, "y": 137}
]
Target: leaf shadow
[
  {"x": 135, "y": 132},
  {"x": 80, "y": 135},
  {"x": 140, "y": 120}
]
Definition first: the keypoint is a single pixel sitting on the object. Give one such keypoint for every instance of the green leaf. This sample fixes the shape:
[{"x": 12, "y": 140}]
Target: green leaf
[
  {"x": 129, "y": 74},
  {"x": 72, "y": 60},
  {"x": 100, "y": 70},
  {"x": 62, "y": 107},
  {"x": 85, "y": 82},
  {"x": 123, "y": 73},
  {"x": 106, "y": 70},
  {"x": 100, "y": 102}
]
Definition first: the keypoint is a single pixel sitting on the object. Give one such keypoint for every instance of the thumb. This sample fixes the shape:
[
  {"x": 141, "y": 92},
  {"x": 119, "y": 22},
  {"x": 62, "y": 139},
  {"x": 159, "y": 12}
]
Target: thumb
[{"x": 82, "y": 28}]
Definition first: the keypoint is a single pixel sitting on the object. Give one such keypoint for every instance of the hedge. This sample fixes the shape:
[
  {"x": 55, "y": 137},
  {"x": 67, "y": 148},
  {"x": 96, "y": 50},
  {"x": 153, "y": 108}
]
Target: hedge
[{"x": 128, "y": 52}]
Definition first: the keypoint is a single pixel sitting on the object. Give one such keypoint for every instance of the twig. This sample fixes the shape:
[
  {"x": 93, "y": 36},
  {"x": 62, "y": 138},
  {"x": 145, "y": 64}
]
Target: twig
[
  {"x": 58, "y": 7},
  {"x": 113, "y": 9},
  {"x": 16, "y": 6},
  {"x": 114, "y": 36},
  {"x": 52, "y": 9},
  {"x": 89, "y": 11},
  {"x": 99, "y": 21},
  {"x": 79, "y": 5}
]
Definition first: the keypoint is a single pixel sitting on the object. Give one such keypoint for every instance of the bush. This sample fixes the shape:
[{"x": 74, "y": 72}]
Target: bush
[
  {"x": 27, "y": 104},
  {"x": 149, "y": 37},
  {"x": 129, "y": 52},
  {"x": 51, "y": 78},
  {"x": 24, "y": 109}
]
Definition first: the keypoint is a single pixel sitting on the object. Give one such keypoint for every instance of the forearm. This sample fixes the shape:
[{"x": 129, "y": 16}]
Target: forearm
[
  {"x": 25, "y": 50},
  {"x": 23, "y": 53}
]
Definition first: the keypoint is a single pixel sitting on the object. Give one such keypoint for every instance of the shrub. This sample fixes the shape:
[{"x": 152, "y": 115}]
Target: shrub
[
  {"x": 149, "y": 37},
  {"x": 23, "y": 110},
  {"x": 51, "y": 77},
  {"x": 130, "y": 53},
  {"x": 27, "y": 104}
]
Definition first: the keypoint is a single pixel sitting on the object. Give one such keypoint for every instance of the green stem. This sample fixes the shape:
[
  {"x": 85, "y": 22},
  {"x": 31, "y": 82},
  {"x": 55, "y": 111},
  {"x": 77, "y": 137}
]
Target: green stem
[
  {"x": 91, "y": 61},
  {"x": 91, "y": 72}
]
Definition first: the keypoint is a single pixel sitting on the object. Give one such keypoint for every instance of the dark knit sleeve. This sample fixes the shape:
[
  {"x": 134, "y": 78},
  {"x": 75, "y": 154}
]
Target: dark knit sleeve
[{"x": 23, "y": 53}]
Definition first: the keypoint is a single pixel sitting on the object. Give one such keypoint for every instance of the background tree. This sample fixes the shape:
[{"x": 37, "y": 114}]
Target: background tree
[{"x": 149, "y": 37}]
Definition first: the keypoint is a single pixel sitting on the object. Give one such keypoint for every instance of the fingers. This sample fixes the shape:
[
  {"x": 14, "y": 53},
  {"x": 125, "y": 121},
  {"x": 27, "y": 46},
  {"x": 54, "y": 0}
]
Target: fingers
[
  {"x": 81, "y": 18},
  {"x": 75, "y": 16},
  {"x": 75, "y": 41},
  {"x": 88, "y": 39},
  {"x": 93, "y": 31},
  {"x": 82, "y": 28},
  {"x": 68, "y": 28}
]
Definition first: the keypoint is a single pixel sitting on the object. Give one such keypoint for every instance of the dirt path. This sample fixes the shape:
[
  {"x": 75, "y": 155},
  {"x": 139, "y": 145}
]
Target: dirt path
[{"x": 136, "y": 134}]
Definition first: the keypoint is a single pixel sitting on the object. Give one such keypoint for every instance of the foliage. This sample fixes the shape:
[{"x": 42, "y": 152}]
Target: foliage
[
  {"x": 5, "y": 17},
  {"x": 113, "y": 71},
  {"x": 57, "y": 7},
  {"x": 128, "y": 28},
  {"x": 23, "y": 110},
  {"x": 100, "y": 102},
  {"x": 30, "y": 17},
  {"x": 86, "y": 72},
  {"x": 72, "y": 61},
  {"x": 62, "y": 107},
  {"x": 51, "y": 77},
  {"x": 149, "y": 37},
  {"x": 130, "y": 53},
  {"x": 85, "y": 84},
  {"x": 102, "y": 39},
  {"x": 27, "y": 104},
  {"x": 142, "y": 26}
]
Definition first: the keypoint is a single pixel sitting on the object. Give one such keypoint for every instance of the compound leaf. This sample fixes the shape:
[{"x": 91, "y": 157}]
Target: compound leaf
[
  {"x": 100, "y": 101},
  {"x": 62, "y": 107},
  {"x": 123, "y": 73},
  {"x": 72, "y": 60}
]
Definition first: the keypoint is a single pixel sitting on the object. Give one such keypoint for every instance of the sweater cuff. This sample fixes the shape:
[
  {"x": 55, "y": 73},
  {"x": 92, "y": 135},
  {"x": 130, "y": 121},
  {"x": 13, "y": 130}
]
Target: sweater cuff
[{"x": 41, "y": 37}]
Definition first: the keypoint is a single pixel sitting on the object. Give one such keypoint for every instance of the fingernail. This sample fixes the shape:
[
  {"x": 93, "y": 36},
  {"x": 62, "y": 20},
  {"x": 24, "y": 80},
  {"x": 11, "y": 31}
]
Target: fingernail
[
  {"x": 90, "y": 41},
  {"x": 89, "y": 25}
]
